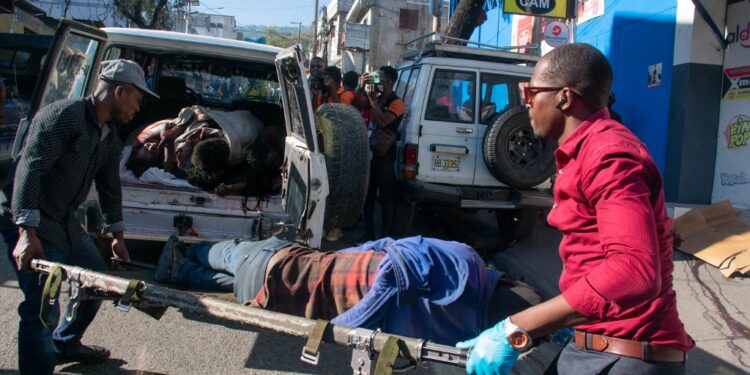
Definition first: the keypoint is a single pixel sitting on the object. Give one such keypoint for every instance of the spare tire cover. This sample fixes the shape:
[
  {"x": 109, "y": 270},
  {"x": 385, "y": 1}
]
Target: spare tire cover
[
  {"x": 342, "y": 138},
  {"x": 513, "y": 154}
]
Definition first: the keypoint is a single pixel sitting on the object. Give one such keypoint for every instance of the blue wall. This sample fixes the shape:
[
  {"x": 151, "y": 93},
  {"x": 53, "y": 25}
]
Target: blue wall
[{"x": 633, "y": 35}]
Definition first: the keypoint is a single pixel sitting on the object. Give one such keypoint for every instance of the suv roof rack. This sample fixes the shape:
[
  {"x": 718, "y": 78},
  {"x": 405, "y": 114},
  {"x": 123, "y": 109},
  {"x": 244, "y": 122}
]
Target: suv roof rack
[{"x": 436, "y": 45}]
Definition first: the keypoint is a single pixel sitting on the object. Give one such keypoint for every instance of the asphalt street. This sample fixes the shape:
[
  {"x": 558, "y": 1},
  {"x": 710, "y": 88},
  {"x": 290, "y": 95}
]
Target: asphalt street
[{"x": 714, "y": 309}]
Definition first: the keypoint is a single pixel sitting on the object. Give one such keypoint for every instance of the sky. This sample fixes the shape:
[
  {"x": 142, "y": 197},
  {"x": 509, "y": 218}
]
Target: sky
[{"x": 263, "y": 12}]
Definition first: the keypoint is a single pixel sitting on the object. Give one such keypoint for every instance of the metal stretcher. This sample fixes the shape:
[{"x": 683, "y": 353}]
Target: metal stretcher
[{"x": 373, "y": 351}]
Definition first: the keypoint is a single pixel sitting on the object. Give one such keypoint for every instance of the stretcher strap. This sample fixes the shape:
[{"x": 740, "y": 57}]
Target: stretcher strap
[
  {"x": 387, "y": 357},
  {"x": 130, "y": 293},
  {"x": 310, "y": 351},
  {"x": 49, "y": 294}
]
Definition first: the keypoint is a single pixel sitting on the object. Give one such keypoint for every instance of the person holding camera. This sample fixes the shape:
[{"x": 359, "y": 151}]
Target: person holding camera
[
  {"x": 387, "y": 109},
  {"x": 331, "y": 90}
]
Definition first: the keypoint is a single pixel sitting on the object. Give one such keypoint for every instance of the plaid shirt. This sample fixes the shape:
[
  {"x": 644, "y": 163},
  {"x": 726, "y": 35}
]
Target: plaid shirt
[
  {"x": 318, "y": 285},
  {"x": 65, "y": 152}
]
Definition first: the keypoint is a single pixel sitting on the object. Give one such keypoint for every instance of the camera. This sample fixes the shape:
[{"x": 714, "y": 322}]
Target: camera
[
  {"x": 373, "y": 78},
  {"x": 316, "y": 81}
]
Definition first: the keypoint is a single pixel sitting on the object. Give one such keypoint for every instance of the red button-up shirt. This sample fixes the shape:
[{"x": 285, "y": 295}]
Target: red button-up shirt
[{"x": 616, "y": 247}]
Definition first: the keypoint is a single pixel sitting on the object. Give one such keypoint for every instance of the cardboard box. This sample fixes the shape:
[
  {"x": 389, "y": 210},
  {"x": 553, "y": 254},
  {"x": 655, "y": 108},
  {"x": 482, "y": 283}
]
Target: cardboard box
[{"x": 716, "y": 235}]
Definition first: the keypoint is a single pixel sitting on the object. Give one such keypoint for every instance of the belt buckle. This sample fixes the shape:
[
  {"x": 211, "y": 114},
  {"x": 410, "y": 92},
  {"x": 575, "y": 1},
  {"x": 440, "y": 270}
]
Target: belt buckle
[{"x": 644, "y": 351}]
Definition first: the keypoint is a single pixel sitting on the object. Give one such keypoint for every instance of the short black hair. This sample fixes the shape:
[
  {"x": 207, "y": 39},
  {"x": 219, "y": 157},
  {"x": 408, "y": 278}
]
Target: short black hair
[
  {"x": 582, "y": 67},
  {"x": 390, "y": 72},
  {"x": 351, "y": 79},
  {"x": 334, "y": 72},
  {"x": 211, "y": 155},
  {"x": 137, "y": 165}
]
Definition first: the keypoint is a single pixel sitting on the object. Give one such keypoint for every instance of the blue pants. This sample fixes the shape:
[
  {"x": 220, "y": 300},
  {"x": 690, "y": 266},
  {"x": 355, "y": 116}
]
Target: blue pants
[
  {"x": 36, "y": 343},
  {"x": 209, "y": 266},
  {"x": 222, "y": 265}
]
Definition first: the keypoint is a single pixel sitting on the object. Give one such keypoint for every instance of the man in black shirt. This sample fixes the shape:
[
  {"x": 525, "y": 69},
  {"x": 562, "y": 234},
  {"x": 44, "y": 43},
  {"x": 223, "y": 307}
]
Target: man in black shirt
[{"x": 70, "y": 145}]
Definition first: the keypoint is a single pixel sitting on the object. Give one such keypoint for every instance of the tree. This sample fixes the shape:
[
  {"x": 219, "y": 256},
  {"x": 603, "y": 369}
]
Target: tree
[
  {"x": 146, "y": 14},
  {"x": 468, "y": 16}
]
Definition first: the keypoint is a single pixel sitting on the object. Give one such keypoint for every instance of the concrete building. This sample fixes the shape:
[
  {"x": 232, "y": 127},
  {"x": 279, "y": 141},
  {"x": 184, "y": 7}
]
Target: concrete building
[
  {"x": 363, "y": 35},
  {"x": 682, "y": 83},
  {"x": 22, "y": 17},
  {"x": 216, "y": 25},
  {"x": 96, "y": 12}
]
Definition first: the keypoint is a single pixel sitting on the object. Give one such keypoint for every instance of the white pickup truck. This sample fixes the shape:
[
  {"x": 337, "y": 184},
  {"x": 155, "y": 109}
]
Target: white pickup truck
[{"x": 326, "y": 160}]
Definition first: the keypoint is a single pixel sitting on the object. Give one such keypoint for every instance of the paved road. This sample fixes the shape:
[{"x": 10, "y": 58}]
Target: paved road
[{"x": 713, "y": 308}]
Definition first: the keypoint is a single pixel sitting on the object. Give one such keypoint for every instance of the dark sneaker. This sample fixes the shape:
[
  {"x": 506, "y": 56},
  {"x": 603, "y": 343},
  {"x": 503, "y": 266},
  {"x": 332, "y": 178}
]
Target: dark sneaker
[
  {"x": 84, "y": 354},
  {"x": 367, "y": 237},
  {"x": 170, "y": 256}
]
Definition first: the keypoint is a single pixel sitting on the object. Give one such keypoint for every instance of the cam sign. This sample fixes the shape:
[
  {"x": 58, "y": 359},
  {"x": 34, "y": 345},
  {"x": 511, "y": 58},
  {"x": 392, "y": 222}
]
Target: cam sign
[{"x": 545, "y": 8}]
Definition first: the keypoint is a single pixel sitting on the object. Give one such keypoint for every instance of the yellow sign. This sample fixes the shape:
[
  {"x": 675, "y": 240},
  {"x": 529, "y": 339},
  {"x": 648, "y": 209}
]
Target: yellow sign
[{"x": 542, "y": 8}]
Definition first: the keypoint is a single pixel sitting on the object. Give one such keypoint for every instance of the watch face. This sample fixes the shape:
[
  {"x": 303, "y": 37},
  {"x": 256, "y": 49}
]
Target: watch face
[{"x": 519, "y": 340}]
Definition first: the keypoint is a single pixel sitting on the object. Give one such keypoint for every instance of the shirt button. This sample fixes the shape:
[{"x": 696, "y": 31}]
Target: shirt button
[
  {"x": 554, "y": 205},
  {"x": 560, "y": 171}
]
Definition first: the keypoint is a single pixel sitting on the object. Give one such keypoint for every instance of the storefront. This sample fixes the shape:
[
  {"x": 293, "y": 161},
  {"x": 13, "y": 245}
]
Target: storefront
[{"x": 669, "y": 69}]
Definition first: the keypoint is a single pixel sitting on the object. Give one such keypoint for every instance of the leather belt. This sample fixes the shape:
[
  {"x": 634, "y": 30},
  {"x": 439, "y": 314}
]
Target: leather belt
[{"x": 635, "y": 349}]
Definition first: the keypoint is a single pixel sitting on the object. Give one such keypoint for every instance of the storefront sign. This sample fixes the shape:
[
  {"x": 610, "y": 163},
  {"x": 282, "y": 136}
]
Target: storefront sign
[
  {"x": 739, "y": 83},
  {"x": 588, "y": 9},
  {"x": 546, "y": 8},
  {"x": 556, "y": 33},
  {"x": 733, "y": 151},
  {"x": 522, "y": 31},
  {"x": 737, "y": 133}
]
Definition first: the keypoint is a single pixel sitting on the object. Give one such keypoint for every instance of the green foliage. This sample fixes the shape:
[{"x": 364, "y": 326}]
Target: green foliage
[
  {"x": 147, "y": 14},
  {"x": 275, "y": 38}
]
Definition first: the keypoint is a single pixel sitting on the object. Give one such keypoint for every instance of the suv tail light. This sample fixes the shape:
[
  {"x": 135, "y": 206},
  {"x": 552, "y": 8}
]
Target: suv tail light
[{"x": 410, "y": 162}]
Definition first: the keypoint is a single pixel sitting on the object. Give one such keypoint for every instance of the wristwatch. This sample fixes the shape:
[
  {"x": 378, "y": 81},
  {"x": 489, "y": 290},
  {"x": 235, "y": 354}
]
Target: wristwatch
[{"x": 518, "y": 338}]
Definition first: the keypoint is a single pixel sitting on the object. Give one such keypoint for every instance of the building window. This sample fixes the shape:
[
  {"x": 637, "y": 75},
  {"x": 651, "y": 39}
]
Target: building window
[{"x": 408, "y": 19}]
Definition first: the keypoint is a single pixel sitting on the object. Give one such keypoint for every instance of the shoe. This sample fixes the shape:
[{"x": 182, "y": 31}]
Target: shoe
[
  {"x": 84, "y": 354},
  {"x": 169, "y": 261},
  {"x": 367, "y": 237},
  {"x": 334, "y": 234}
]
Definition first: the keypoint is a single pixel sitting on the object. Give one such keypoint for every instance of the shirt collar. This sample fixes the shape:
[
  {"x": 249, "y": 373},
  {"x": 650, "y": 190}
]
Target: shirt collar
[
  {"x": 571, "y": 145},
  {"x": 91, "y": 110},
  {"x": 91, "y": 117}
]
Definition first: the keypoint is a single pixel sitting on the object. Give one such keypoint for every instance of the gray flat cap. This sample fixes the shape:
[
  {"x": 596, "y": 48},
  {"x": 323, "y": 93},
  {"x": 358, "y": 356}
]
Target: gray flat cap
[{"x": 125, "y": 71}]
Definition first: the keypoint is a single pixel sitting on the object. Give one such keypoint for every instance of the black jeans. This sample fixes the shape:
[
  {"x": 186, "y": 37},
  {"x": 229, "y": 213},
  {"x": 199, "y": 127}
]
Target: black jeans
[{"x": 383, "y": 186}]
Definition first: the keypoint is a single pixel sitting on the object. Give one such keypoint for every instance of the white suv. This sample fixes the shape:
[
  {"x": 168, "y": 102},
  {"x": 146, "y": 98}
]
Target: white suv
[
  {"x": 324, "y": 172},
  {"x": 466, "y": 140}
]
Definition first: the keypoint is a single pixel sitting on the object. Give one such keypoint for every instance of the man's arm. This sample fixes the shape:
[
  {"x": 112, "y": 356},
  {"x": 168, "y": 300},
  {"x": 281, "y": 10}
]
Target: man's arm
[
  {"x": 109, "y": 193},
  {"x": 47, "y": 140},
  {"x": 630, "y": 274},
  {"x": 48, "y": 137},
  {"x": 384, "y": 119}
]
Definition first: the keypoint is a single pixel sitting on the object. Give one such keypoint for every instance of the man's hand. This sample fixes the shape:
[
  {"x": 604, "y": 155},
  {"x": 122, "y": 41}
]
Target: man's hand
[
  {"x": 491, "y": 353},
  {"x": 27, "y": 248},
  {"x": 119, "y": 251}
]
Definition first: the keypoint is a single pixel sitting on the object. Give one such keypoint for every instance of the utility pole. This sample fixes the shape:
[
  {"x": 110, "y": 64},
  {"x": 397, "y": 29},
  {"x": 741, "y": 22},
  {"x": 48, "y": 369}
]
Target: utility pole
[
  {"x": 299, "y": 31},
  {"x": 187, "y": 15},
  {"x": 315, "y": 30}
]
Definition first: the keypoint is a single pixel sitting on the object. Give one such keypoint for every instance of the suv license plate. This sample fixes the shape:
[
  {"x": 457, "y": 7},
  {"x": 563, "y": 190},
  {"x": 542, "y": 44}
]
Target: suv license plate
[{"x": 446, "y": 164}]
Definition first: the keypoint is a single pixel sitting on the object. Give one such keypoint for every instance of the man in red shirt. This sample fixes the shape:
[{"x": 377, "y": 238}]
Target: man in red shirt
[{"x": 616, "y": 249}]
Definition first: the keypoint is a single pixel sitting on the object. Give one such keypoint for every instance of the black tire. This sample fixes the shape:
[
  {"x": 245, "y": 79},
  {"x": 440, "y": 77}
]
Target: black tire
[
  {"x": 513, "y": 154},
  {"x": 513, "y": 225},
  {"x": 342, "y": 138},
  {"x": 403, "y": 217}
]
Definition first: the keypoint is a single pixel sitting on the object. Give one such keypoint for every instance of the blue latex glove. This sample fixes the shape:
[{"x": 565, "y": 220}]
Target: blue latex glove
[
  {"x": 562, "y": 336},
  {"x": 491, "y": 353}
]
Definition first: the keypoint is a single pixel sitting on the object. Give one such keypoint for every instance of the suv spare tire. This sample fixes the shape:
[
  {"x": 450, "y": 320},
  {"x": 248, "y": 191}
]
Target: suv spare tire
[
  {"x": 342, "y": 138},
  {"x": 513, "y": 154}
]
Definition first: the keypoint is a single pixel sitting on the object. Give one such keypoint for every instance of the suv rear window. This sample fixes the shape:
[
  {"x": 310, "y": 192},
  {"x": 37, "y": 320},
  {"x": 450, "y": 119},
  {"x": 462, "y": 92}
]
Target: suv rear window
[
  {"x": 451, "y": 97},
  {"x": 499, "y": 94}
]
